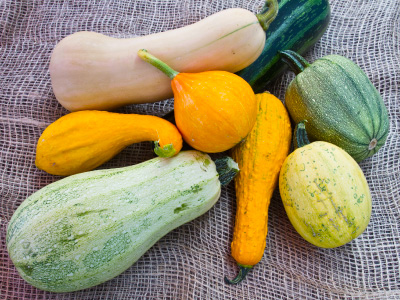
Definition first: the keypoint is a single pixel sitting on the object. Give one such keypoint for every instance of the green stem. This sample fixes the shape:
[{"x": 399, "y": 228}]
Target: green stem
[
  {"x": 166, "y": 151},
  {"x": 268, "y": 13},
  {"x": 227, "y": 169},
  {"x": 300, "y": 137},
  {"x": 294, "y": 60},
  {"x": 243, "y": 270},
  {"x": 162, "y": 66}
]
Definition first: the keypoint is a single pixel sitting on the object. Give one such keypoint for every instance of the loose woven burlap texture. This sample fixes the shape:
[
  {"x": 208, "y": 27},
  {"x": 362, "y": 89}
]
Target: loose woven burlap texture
[{"x": 191, "y": 261}]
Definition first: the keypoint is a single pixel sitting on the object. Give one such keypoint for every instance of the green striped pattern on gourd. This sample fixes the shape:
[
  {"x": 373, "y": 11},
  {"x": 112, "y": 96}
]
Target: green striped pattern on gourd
[
  {"x": 87, "y": 228},
  {"x": 298, "y": 26},
  {"x": 340, "y": 104}
]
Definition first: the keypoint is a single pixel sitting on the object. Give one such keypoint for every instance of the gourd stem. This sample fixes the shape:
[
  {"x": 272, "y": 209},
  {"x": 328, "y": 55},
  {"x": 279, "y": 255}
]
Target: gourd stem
[
  {"x": 243, "y": 270},
  {"x": 162, "y": 66},
  {"x": 300, "y": 137},
  {"x": 294, "y": 60},
  {"x": 227, "y": 169},
  {"x": 166, "y": 151},
  {"x": 268, "y": 13}
]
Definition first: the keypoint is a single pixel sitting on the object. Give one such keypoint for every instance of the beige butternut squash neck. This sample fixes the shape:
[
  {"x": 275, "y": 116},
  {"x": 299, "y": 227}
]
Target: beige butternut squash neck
[{"x": 92, "y": 71}]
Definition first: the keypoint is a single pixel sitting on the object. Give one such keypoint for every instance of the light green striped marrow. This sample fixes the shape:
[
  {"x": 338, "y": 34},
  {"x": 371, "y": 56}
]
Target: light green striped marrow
[{"x": 88, "y": 228}]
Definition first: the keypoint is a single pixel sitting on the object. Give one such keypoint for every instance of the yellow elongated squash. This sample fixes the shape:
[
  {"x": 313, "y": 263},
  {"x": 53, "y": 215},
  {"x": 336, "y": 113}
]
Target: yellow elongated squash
[
  {"x": 83, "y": 140},
  {"x": 260, "y": 158}
]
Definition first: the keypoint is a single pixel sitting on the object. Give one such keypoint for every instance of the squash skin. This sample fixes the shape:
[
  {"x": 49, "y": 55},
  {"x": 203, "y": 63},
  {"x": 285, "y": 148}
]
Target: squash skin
[
  {"x": 259, "y": 158},
  {"x": 325, "y": 194},
  {"x": 298, "y": 26},
  {"x": 341, "y": 106},
  {"x": 214, "y": 110},
  {"x": 88, "y": 228},
  {"x": 82, "y": 141},
  {"x": 92, "y": 71}
]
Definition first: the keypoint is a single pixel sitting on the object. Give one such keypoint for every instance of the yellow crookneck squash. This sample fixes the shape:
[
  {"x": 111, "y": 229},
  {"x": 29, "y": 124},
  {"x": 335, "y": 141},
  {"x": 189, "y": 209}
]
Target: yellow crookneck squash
[
  {"x": 260, "y": 158},
  {"x": 81, "y": 141},
  {"x": 214, "y": 110}
]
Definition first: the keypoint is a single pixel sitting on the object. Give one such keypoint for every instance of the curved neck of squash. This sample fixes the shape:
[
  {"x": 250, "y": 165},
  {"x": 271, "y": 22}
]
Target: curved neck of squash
[
  {"x": 294, "y": 60},
  {"x": 162, "y": 66},
  {"x": 268, "y": 13},
  {"x": 227, "y": 169},
  {"x": 300, "y": 137}
]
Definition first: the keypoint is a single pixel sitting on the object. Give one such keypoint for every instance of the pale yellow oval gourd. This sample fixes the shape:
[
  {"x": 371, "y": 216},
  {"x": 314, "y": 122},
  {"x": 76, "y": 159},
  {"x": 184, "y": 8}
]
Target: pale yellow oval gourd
[
  {"x": 325, "y": 194},
  {"x": 92, "y": 71}
]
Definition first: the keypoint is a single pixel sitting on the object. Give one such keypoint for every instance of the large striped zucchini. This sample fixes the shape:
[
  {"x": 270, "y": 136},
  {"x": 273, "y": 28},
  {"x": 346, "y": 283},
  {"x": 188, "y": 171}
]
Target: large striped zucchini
[
  {"x": 298, "y": 26},
  {"x": 87, "y": 228}
]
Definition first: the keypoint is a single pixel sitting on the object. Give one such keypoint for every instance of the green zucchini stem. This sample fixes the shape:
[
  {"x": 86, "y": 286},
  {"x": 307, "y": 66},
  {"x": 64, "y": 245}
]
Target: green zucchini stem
[
  {"x": 300, "y": 137},
  {"x": 227, "y": 169},
  {"x": 243, "y": 270},
  {"x": 294, "y": 60},
  {"x": 162, "y": 66},
  {"x": 268, "y": 13}
]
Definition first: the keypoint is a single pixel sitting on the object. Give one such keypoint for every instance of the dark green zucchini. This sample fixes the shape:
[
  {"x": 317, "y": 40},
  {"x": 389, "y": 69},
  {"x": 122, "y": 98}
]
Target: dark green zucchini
[{"x": 298, "y": 26}]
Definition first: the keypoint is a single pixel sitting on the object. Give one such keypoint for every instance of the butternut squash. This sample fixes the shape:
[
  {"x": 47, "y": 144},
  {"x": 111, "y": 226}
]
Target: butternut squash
[
  {"x": 214, "y": 110},
  {"x": 260, "y": 158},
  {"x": 82, "y": 141},
  {"x": 92, "y": 71}
]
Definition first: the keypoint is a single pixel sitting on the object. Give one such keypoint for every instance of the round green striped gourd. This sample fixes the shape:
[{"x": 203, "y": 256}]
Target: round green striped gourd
[
  {"x": 339, "y": 102},
  {"x": 325, "y": 194},
  {"x": 88, "y": 228}
]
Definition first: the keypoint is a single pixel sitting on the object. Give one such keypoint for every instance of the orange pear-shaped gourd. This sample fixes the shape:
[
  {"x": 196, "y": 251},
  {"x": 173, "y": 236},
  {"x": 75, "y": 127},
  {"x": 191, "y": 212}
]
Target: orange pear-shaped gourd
[{"x": 214, "y": 110}]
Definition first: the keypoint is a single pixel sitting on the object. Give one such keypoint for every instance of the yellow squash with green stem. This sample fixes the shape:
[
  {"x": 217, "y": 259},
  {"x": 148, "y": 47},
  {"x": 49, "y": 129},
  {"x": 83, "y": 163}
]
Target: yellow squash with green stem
[
  {"x": 81, "y": 141},
  {"x": 259, "y": 158},
  {"x": 214, "y": 110}
]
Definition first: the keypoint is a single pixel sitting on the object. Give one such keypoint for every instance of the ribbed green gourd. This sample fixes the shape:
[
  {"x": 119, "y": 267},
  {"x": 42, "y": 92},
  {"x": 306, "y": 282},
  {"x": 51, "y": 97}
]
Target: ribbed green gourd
[
  {"x": 339, "y": 102},
  {"x": 88, "y": 228}
]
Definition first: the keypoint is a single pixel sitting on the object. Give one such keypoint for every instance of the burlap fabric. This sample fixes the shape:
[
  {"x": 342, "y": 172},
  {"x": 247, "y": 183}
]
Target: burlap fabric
[{"x": 191, "y": 261}]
